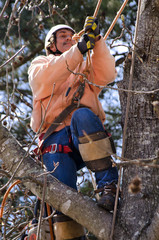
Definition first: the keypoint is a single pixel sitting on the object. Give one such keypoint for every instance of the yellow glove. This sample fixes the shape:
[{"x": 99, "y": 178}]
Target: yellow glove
[{"x": 91, "y": 25}]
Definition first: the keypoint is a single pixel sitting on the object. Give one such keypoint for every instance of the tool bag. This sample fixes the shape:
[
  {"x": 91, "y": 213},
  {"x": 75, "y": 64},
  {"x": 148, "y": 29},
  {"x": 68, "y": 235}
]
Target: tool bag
[{"x": 45, "y": 233}]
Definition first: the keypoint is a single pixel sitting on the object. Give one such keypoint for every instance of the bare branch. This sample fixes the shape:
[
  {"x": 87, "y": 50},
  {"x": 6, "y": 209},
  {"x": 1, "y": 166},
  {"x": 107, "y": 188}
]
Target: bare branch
[
  {"x": 61, "y": 197},
  {"x": 9, "y": 60},
  {"x": 4, "y": 8}
]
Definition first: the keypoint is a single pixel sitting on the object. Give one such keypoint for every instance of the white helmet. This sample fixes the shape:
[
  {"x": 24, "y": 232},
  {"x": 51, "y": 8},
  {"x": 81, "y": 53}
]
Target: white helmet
[{"x": 50, "y": 37}]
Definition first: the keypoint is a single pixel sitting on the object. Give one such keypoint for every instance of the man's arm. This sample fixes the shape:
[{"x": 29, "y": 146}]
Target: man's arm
[
  {"x": 103, "y": 64},
  {"x": 45, "y": 71}
]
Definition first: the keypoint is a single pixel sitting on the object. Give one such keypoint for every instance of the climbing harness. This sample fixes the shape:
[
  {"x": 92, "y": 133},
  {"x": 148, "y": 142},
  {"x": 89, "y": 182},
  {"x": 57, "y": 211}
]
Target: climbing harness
[{"x": 54, "y": 148}]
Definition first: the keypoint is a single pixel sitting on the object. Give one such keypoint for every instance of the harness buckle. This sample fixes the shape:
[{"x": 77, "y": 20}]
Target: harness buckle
[
  {"x": 53, "y": 148},
  {"x": 78, "y": 93}
]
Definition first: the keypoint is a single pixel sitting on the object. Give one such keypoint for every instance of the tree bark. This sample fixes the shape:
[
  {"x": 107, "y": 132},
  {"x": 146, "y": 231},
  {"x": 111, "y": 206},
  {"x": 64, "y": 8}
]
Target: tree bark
[
  {"x": 61, "y": 197},
  {"x": 137, "y": 216}
]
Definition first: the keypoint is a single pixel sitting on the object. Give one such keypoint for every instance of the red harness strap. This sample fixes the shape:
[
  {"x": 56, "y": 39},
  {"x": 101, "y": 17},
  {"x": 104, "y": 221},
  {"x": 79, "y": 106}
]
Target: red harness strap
[
  {"x": 56, "y": 148},
  {"x": 53, "y": 148}
]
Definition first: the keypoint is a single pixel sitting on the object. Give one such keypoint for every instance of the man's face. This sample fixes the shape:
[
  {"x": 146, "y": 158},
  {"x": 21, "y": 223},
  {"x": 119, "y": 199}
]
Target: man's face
[{"x": 63, "y": 40}]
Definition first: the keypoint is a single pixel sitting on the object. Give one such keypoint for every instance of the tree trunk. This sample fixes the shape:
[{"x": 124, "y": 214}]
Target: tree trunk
[
  {"x": 61, "y": 197},
  {"x": 137, "y": 217}
]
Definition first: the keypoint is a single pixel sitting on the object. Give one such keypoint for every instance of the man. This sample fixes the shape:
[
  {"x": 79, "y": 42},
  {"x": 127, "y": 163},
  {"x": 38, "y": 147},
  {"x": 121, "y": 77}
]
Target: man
[{"x": 76, "y": 138}]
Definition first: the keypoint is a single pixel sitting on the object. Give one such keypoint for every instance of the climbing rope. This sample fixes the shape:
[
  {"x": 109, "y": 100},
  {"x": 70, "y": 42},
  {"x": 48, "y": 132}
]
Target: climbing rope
[
  {"x": 94, "y": 15},
  {"x": 89, "y": 68},
  {"x": 4, "y": 201},
  {"x": 115, "y": 19},
  {"x": 5, "y": 197},
  {"x": 78, "y": 35}
]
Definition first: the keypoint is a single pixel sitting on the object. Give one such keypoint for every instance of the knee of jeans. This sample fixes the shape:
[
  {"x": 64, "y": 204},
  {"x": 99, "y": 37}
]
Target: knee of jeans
[{"x": 84, "y": 114}]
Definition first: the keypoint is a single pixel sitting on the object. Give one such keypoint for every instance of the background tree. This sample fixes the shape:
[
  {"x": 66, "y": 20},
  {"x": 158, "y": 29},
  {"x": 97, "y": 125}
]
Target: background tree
[{"x": 137, "y": 214}]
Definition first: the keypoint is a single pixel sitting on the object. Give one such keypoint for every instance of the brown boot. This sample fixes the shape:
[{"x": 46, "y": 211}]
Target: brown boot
[
  {"x": 107, "y": 199},
  {"x": 66, "y": 228}
]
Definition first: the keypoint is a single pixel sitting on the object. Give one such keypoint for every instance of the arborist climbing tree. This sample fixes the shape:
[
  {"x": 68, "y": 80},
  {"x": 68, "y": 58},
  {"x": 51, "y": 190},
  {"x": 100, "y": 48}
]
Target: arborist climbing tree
[
  {"x": 127, "y": 225},
  {"x": 63, "y": 101},
  {"x": 69, "y": 118}
]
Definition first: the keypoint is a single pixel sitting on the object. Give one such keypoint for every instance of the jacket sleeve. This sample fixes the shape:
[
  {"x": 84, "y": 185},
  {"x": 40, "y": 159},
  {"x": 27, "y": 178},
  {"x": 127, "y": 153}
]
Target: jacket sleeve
[
  {"x": 44, "y": 71},
  {"x": 103, "y": 64}
]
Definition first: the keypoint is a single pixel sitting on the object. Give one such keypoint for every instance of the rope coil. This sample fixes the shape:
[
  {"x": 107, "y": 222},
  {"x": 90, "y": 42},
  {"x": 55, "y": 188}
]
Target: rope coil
[{"x": 5, "y": 197}]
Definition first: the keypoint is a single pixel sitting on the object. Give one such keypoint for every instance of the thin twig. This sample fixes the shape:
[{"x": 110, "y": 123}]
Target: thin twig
[
  {"x": 142, "y": 162},
  {"x": 4, "y": 8},
  {"x": 49, "y": 172},
  {"x": 10, "y": 59},
  {"x": 50, "y": 216},
  {"x": 113, "y": 88},
  {"x": 11, "y": 18},
  {"x": 137, "y": 163},
  {"x": 123, "y": 159}
]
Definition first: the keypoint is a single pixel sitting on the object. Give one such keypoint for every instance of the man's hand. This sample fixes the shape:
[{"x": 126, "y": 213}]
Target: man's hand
[
  {"x": 91, "y": 25},
  {"x": 86, "y": 42}
]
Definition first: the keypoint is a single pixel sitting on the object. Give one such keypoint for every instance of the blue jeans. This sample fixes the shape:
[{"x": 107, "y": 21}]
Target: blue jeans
[{"x": 83, "y": 119}]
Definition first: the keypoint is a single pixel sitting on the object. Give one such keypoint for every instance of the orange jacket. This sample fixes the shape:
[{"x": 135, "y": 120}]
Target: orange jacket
[{"x": 50, "y": 78}]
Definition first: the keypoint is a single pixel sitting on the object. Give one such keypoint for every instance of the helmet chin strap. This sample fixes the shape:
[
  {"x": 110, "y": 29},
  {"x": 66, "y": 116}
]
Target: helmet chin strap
[{"x": 57, "y": 52}]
